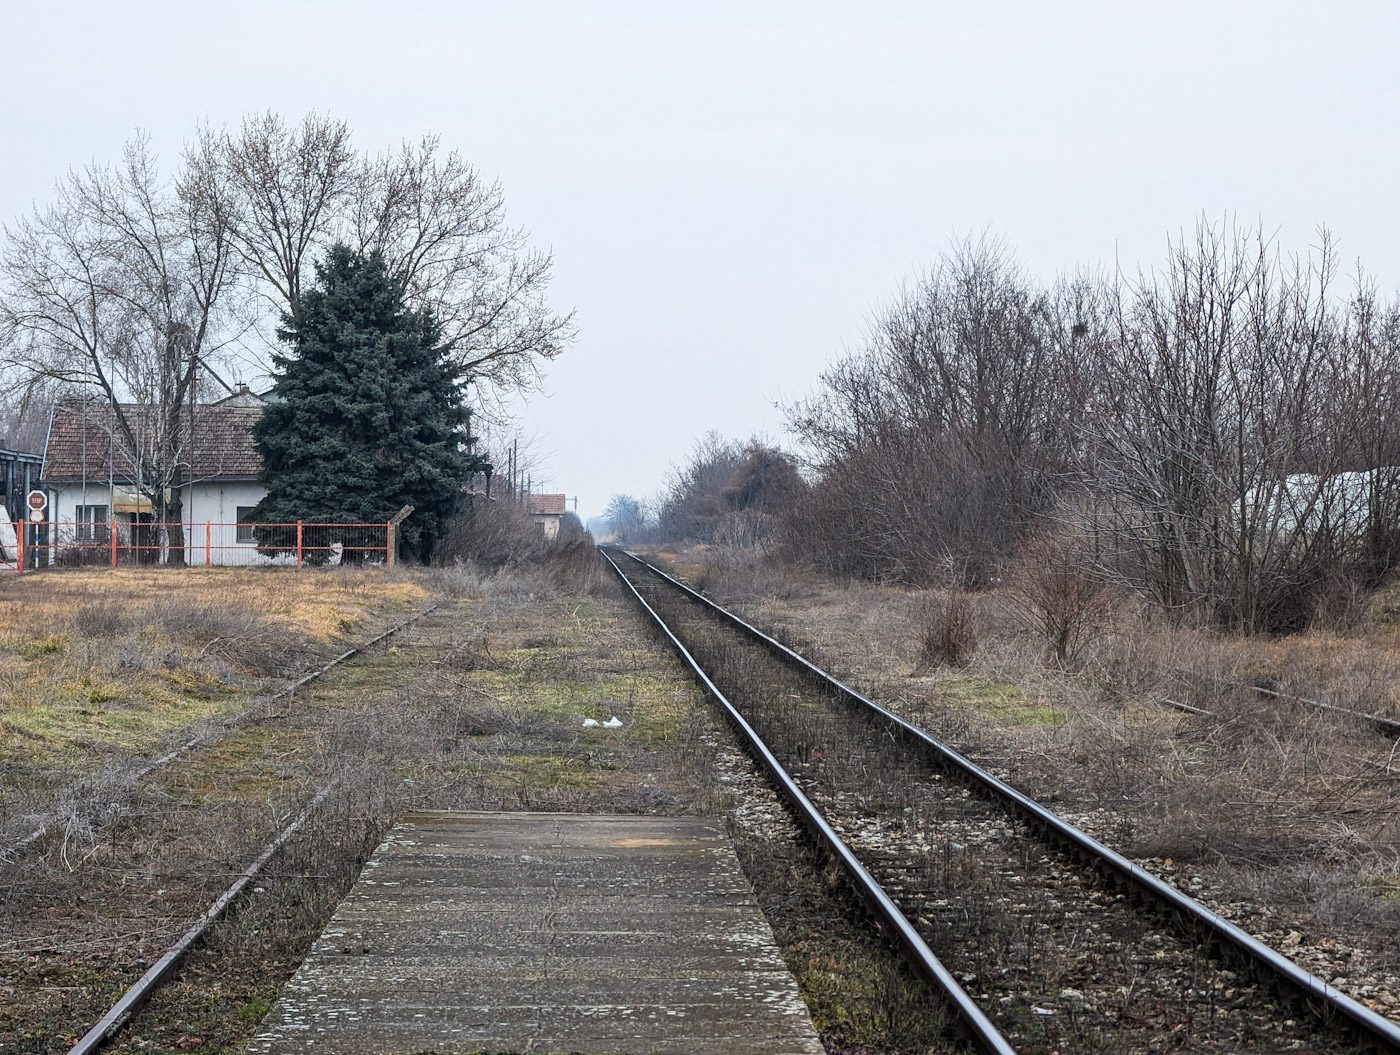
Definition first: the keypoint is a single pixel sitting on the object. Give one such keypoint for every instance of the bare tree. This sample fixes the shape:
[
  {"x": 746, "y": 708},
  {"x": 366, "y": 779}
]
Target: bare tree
[
  {"x": 1235, "y": 449},
  {"x": 627, "y": 518},
  {"x": 1219, "y": 433},
  {"x": 116, "y": 289},
  {"x": 24, "y": 418},
  {"x": 692, "y": 501},
  {"x": 293, "y": 192},
  {"x": 939, "y": 439}
]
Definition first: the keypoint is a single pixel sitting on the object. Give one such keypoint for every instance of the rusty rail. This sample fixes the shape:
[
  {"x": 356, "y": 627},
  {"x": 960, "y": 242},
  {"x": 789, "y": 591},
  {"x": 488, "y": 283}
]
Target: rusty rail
[{"x": 159, "y": 971}]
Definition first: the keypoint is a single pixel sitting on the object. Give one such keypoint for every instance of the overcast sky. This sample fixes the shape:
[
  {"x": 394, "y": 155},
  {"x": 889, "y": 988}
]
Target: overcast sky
[{"x": 730, "y": 189}]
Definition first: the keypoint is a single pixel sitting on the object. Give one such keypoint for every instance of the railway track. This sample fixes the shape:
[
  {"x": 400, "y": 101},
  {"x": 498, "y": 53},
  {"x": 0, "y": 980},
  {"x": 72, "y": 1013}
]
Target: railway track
[
  {"x": 262, "y": 867},
  {"x": 142, "y": 769},
  {"x": 1040, "y": 937},
  {"x": 164, "y": 967}
]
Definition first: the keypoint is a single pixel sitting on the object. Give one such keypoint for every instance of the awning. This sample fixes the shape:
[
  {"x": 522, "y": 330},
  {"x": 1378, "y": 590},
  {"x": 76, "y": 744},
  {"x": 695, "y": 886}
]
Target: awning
[{"x": 127, "y": 500}]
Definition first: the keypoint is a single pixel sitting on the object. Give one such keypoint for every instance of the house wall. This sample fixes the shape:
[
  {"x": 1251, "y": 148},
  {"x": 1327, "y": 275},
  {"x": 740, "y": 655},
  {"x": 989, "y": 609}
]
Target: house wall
[
  {"x": 548, "y": 524},
  {"x": 218, "y": 501},
  {"x": 215, "y": 503},
  {"x": 64, "y": 500}
]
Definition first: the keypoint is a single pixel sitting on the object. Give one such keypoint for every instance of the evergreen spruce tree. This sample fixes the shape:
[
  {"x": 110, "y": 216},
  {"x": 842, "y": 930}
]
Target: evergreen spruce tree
[{"x": 367, "y": 414}]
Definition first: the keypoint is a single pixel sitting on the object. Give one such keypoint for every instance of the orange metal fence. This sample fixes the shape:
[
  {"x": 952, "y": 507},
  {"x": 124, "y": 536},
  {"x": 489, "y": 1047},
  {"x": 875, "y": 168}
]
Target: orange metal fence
[{"x": 29, "y": 546}]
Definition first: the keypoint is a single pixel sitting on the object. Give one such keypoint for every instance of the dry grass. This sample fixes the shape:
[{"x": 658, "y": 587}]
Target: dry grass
[
  {"x": 1285, "y": 812},
  {"x": 98, "y": 666},
  {"x": 477, "y": 706}
]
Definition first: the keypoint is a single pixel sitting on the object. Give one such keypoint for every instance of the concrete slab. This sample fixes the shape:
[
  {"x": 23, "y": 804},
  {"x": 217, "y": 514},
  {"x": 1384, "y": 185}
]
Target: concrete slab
[{"x": 545, "y": 932}]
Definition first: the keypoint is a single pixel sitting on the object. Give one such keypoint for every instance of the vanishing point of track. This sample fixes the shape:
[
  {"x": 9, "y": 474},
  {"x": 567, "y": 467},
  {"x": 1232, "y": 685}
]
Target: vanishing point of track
[{"x": 1039, "y": 936}]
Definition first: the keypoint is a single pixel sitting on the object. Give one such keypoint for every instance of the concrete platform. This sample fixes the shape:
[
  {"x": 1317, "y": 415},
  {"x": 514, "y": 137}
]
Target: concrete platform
[{"x": 545, "y": 932}]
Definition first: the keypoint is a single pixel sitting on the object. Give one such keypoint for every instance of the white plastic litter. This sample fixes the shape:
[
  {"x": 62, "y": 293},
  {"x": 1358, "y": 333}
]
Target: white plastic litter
[
  {"x": 589, "y": 722},
  {"x": 612, "y": 723}
]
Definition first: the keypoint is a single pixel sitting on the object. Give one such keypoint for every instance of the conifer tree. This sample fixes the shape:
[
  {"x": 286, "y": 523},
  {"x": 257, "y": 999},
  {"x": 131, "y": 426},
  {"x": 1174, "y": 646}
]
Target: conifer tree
[{"x": 367, "y": 413}]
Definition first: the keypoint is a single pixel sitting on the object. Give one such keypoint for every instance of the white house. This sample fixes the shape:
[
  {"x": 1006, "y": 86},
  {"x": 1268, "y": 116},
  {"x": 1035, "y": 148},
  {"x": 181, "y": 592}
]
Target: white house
[{"x": 91, "y": 480}]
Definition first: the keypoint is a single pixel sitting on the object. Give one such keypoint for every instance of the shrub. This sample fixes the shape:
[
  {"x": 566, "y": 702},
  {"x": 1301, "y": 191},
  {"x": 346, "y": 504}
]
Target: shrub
[
  {"x": 491, "y": 532},
  {"x": 1055, "y": 594},
  {"x": 949, "y": 633}
]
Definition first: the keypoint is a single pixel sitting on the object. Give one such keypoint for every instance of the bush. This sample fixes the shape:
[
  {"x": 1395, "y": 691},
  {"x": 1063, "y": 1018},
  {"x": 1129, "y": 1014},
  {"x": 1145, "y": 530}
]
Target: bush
[
  {"x": 949, "y": 636},
  {"x": 1051, "y": 588},
  {"x": 490, "y": 532}
]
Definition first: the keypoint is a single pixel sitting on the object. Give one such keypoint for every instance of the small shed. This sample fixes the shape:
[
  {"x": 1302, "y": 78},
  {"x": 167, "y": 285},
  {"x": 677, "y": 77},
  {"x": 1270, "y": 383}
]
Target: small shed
[
  {"x": 19, "y": 474},
  {"x": 546, "y": 512}
]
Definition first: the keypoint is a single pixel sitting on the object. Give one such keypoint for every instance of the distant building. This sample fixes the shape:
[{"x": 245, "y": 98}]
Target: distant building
[
  {"x": 19, "y": 474},
  {"x": 547, "y": 512}
]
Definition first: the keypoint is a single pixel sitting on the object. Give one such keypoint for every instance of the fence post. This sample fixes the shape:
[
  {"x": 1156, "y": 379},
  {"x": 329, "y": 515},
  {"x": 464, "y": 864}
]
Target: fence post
[
  {"x": 392, "y": 531},
  {"x": 19, "y": 550},
  {"x": 114, "y": 543},
  {"x": 208, "y": 532},
  {"x": 298, "y": 543}
]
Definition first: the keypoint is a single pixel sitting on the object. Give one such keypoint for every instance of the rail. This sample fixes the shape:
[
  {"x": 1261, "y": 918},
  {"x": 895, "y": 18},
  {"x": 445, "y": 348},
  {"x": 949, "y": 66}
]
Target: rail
[
  {"x": 987, "y": 1037},
  {"x": 158, "y": 972},
  {"x": 1373, "y": 1028},
  {"x": 9, "y": 853}
]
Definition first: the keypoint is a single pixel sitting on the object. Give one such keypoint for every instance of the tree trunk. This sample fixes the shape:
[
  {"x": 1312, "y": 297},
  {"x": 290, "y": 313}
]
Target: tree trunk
[{"x": 175, "y": 528}]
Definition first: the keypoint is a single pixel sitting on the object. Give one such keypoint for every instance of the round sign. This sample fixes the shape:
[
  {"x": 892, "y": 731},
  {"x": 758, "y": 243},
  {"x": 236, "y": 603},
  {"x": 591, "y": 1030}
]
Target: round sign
[
  {"x": 36, "y": 517},
  {"x": 37, "y": 499}
]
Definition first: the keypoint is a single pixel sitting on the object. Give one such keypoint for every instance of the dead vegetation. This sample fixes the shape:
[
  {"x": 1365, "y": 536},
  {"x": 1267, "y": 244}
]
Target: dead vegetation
[
  {"x": 479, "y": 705},
  {"x": 102, "y": 668},
  {"x": 1286, "y": 815}
]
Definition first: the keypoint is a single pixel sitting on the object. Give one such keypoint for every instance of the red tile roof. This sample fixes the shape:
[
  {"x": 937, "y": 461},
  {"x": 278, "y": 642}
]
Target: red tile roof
[
  {"x": 545, "y": 505},
  {"x": 220, "y": 447}
]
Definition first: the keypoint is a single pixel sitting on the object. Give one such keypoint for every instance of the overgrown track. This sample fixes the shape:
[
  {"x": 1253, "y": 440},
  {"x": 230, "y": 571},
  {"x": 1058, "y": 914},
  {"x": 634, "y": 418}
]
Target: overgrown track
[
  {"x": 143, "y": 769},
  {"x": 1041, "y": 922},
  {"x": 163, "y": 968},
  {"x": 1388, "y": 727}
]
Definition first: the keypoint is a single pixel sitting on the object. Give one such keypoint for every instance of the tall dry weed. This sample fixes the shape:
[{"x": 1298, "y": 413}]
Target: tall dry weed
[{"x": 949, "y": 633}]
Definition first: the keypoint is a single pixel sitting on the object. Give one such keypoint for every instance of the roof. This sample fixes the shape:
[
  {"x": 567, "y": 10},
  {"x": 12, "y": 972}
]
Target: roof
[
  {"x": 7, "y": 455},
  {"x": 244, "y": 397},
  {"x": 545, "y": 505},
  {"x": 81, "y": 443}
]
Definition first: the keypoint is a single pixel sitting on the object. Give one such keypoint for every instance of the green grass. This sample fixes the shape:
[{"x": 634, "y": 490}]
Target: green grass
[
  {"x": 999, "y": 701},
  {"x": 50, "y": 645}
]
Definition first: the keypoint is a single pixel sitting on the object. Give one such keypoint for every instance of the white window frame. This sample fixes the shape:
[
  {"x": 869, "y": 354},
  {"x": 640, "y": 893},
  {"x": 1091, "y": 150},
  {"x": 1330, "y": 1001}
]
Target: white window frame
[{"x": 243, "y": 532}]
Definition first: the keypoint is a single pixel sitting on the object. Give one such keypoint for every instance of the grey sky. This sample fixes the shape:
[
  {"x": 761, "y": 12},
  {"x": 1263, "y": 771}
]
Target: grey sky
[{"x": 731, "y": 188}]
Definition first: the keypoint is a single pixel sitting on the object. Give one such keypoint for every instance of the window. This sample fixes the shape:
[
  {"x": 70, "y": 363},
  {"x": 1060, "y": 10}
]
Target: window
[
  {"x": 92, "y": 523},
  {"x": 244, "y": 532}
]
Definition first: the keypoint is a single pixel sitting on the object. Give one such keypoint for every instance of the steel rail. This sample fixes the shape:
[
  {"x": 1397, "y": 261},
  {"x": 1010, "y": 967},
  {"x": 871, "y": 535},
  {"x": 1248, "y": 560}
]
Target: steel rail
[
  {"x": 159, "y": 971},
  {"x": 1384, "y": 725},
  {"x": 10, "y": 852},
  {"x": 1384, "y": 767},
  {"x": 1372, "y": 1028},
  {"x": 986, "y": 1035}
]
